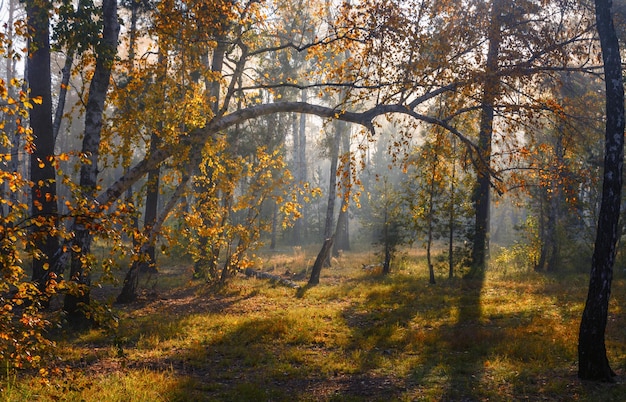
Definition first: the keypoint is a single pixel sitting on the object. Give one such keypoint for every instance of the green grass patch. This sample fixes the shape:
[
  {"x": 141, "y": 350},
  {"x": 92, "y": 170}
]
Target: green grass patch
[{"x": 357, "y": 336}]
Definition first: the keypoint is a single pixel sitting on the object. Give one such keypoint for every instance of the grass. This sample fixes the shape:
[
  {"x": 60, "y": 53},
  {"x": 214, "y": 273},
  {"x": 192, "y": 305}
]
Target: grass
[{"x": 358, "y": 336}]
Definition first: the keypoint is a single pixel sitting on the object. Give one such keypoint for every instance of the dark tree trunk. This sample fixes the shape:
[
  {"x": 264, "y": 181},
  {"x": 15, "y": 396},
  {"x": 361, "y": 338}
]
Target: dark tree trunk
[
  {"x": 206, "y": 265},
  {"x": 152, "y": 188},
  {"x": 66, "y": 73},
  {"x": 556, "y": 200},
  {"x": 551, "y": 245},
  {"x": 481, "y": 193},
  {"x": 89, "y": 172},
  {"x": 452, "y": 215},
  {"x": 387, "y": 259},
  {"x": 593, "y": 363},
  {"x": 42, "y": 172},
  {"x": 539, "y": 265},
  {"x": 323, "y": 255},
  {"x": 132, "y": 43},
  {"x": 131, "y": 281},
  {"x": 332, "y": 198},
  {"x": 431, "y": 219},
  {"x": 341, "y": 231},
  {"x": 386, "y": 237},
  {"x": 152, "y": 203}
]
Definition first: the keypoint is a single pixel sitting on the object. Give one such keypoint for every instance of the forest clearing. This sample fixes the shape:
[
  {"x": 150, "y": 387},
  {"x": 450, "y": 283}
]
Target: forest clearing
[
  {"x": 312, "y": 200},
  {"x": 358, "y": 336}
]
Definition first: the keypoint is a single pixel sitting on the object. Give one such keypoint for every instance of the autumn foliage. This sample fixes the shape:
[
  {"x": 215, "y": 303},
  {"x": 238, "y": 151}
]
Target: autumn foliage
[{"x": 184, "y": 129}]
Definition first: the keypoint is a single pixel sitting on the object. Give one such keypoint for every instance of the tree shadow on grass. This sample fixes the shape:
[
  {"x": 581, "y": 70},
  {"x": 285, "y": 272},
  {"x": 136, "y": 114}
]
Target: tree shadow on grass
[
  {"x": 446, "y": 347},
  {"x": 402, "y": 340},
  {"x": 438, "y": 325},
  {"x": 469, "y": 343}
]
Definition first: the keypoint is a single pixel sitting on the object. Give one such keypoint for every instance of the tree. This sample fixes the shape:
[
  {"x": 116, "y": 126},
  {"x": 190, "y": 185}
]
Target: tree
[
  {"x": 456, "y": 207},
  {"x": 82, "y": 229},
  {"x": 10, "y": 119},
  {"x": 425, "y": 190},
  {"x": 405, "y": 92},
  {"x": 389, "y": 220},
  {"x": 323, "y": 257},
  {"x": 593, "y": 363},
  {"x": 42, "y": 171},
  {"x": 491, "y": 89},
  {"x": 342, "y": 231}
]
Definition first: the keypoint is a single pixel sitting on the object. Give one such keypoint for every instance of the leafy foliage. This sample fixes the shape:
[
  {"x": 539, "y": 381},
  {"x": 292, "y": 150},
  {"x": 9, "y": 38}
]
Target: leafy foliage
[{"x": 207, "y": 92}]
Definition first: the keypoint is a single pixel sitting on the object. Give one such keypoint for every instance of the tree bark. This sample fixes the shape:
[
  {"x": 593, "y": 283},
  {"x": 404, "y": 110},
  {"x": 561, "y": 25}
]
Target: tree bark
[
  {"x": 131, "y": 280},
  {"x": 42, "y": 172},
  {"x": 593, "y": 363},
  {"x": 556, "y": 200},
  {"x": 80, "y": 271},
  {"x": 302, "y": 170},
  {"x": 342, "y": 231},
  {"x": 323, "y": 255},
  {"x": 452, "y": 214},
  {"x": 209, "y": 253},
  {"x": 332, "y": 185},
  {"x": 431, "y": 220},
  {"x": 11, "y": 121},
  {"x": 482, "y": 190},
  {"x": 299, "y": 223},
  {"x": 332, "y": 194},
  {"x": 152, "y": 203}
]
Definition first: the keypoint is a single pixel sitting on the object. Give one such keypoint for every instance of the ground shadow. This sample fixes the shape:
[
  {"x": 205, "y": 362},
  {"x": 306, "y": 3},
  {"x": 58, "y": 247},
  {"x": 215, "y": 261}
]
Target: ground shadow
[{"x": 406, "y": 319}]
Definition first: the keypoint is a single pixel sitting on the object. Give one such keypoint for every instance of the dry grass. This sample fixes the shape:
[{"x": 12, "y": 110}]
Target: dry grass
[{"x": 357, "y": 336}]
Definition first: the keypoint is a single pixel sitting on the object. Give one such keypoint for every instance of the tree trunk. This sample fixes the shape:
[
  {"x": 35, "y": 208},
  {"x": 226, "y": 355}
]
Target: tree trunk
[
  {"x": 42, "y": 172},
  {"x": 302, "y": 169},
  {"x": 539, "y": 266},
  {"x": 332, "y": 185},
  {"x": 65, "y": 81},
  {"x": 10, "y": 121},
  {"x": 551, "y": 245},
  {"x": 386, "y": 240},
  {"x": 431, "y": 218},
  {"x": 330, "y": 208},
  {"x": 80, "y": 271},
  {"x": 298, "y": 225},
  {"x": 131, "y": 281},
  {"x": 152, "y": 203},
  {"x": 126, "y": 160},
  {"x": 274, "y": 225},
  {"x": 556, "y": 200},
  {"x": 342, "y": 232},
  {"x": 207, "y": 261},
  {"x": 482, "y": 191},
  {"x": 593, "y": 363},
  {"x": 323, "y": 255},
  {"x": 452, "y": 214},
  {"x": 387, "y": 260}
]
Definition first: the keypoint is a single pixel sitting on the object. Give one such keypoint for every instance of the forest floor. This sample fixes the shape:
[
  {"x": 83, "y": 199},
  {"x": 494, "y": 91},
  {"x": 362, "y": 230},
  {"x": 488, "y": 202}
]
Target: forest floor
[{"x": 358, "y": 336}]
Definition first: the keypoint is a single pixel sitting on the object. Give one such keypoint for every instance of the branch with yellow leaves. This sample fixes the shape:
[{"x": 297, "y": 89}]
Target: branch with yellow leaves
[{"x": 197, "y": 138}]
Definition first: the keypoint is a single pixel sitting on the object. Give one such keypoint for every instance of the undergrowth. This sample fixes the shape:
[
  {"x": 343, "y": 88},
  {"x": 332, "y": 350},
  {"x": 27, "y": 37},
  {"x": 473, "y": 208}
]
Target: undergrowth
[{"x": 356, "y": 336}]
